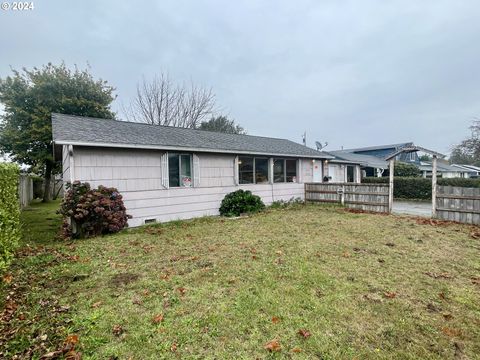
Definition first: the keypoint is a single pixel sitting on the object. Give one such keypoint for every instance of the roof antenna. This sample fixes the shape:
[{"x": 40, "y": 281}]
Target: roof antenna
[
  {"x": 320, "y": 146},
  {"x": 304, "y": 138}
]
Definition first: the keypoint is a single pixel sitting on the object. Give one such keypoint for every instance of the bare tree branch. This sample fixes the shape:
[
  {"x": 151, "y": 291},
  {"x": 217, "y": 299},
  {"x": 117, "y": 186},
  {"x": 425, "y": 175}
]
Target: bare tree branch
[{"x": 160, "y": 102}]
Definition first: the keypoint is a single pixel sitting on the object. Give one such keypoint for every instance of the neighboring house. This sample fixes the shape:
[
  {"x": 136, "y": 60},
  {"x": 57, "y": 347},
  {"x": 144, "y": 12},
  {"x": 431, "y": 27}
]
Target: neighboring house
[
  {"x": 373, "y": 163},
  {"x": 470, "y": 171},
  {"x": 167, "y": 173},
  {"x": 444, "y": 170}
]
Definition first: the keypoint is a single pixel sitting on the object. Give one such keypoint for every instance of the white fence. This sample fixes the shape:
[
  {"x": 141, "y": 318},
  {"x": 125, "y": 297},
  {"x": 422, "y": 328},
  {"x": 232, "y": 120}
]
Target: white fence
[{"x": 25, "y": 190}]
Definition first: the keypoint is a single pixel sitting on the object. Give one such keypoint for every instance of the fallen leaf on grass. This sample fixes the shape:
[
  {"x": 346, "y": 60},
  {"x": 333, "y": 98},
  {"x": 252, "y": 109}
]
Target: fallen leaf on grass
[
  {"x": 475, "y": 234},
  {"x": 21, "y": 317},
  {"x": 390, "y": 294},
  {"x": 448, "y": 316},
  {"x": 117, "y": 330},
  {"x": 346, "y": 254},
  {"x": 451, "y": 332},
  {"x": 173, "y": 348},
  {"x": 7, "y": 278},
  {"x": 71, "y": 339},
  {"x": 182, "y": 291},
  {"x": 304, "y": 333},
  {"x": 97, "y": 304},
  {"x": 475, "y": 280},
  {"x": 73, "y": 355},
  {"x": 275, "y": 319},
  {"x": 273, "y": 346},
  {"x": 443, "y": 275},
  {"x": 296, "y": 350},
  {"x": 157, "y": 319}
]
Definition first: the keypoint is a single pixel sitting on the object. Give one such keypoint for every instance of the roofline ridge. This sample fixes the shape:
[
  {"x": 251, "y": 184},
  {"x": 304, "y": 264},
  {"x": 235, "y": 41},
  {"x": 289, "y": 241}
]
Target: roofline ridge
[{"x": 174, "y": 127}]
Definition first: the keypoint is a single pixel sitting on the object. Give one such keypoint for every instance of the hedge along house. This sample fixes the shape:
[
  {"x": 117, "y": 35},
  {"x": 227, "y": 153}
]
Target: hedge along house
[{"x": 167, "y": 173}]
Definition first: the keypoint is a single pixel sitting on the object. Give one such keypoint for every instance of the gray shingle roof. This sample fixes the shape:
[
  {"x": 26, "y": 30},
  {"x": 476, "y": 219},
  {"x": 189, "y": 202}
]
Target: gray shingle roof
[
  {"x": 68, "y": 129},
  {"x": 364, "y": 160}
]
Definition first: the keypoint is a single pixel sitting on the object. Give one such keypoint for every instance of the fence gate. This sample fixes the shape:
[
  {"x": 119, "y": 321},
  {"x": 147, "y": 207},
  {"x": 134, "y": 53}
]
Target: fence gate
[
  {"x": 458, "y": 204},
  {"x": 367, "y": 197}
]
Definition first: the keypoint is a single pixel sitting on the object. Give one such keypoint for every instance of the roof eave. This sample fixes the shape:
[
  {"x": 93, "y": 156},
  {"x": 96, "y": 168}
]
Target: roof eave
[{"x": 179, "y": 148}]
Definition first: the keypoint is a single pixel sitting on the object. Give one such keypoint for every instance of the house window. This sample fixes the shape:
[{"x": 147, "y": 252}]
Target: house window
[
  {"x": 245, "y": 170},
  {"x": 261, "y": 170},
  {"x": 350, "y": 173},
  {"x": 291, "y": 170},
  {"x": 252, "y": 170},
  {"x": 179, "y": 170},
  {"x": 278, "y": 170},
  {"x": 284, "y": 170}
]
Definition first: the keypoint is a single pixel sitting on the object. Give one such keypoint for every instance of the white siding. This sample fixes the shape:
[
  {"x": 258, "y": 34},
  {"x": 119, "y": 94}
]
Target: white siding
[{"x": 137, "y": 175}]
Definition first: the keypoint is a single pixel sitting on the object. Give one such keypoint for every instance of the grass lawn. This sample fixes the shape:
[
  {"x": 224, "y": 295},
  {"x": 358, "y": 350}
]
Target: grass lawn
[{"x": 308, "y": 282}]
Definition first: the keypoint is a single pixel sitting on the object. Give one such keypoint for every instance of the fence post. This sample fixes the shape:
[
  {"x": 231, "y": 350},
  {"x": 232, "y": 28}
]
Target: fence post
[
  {"x": 391, "y": 169},
  {"x": 434, "y": 186}
]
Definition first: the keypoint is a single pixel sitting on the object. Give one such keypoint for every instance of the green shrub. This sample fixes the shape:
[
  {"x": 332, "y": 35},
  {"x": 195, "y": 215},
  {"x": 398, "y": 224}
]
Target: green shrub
[
  {"x": 240, "y": 202},
  {"x": 9, "y": 213},
  {"x": 91, "y": 212},
  {"x": 406, "y": 170},
  {"x": 419, "y": 188}
]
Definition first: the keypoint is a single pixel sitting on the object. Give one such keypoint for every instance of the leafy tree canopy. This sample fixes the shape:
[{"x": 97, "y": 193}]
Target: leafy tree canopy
[
  {"x": 31, "y": 96},
  {"x": 468, "y": 151},
  {"x": 406, "y": 170},
  {"x": 222, "y": 124}
]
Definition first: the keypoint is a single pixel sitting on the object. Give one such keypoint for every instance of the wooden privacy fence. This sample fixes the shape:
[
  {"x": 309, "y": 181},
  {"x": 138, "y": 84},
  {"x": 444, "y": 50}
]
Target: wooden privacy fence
[
  {"x": 25, "y": 190},
  {"x": 368, "y": 197},
  {"x": 458, "y": 204}
]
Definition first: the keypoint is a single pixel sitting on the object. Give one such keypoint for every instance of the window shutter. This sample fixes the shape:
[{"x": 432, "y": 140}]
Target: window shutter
[
  {"x": 196, "y": 170},
  {"x": 235, "y": 171},
  {"x": 164, "y": 170}
]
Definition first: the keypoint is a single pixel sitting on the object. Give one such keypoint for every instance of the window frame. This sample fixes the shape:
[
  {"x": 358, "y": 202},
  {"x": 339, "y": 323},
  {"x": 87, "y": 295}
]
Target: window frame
[
  {"x": 180, "y": 154},
  {"x": 284, "y": 160}
]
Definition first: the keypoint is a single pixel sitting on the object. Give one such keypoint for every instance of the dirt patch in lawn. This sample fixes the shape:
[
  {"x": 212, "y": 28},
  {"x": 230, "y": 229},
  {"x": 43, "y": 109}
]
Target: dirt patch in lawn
[{"x": 123, "y": 279}]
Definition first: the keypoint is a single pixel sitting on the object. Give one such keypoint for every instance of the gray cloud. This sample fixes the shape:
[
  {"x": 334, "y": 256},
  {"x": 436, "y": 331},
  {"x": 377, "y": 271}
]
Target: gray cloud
[{"x": 352, "y": 73}]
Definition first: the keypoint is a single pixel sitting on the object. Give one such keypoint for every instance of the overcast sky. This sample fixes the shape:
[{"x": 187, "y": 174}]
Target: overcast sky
[{"x": 353, "y": 73}]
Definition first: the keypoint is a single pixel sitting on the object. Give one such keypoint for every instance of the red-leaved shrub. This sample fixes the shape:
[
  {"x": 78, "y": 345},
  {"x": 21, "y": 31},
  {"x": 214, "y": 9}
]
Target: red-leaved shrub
[{"x": 90, "y": 212}]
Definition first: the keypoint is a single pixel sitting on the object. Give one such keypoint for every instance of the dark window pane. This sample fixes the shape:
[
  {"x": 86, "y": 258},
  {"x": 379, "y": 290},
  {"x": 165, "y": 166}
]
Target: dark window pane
[
  {"x": 173, "y": 170},
  {"x": 261, "y": 170},
  {"x": 291, "y": 166},
  {"x": 245, "y": 170},
  {"x": 185, "y": 171},
  {"x": 350, "y": 174},
  {"x": 278, "y": 170}
]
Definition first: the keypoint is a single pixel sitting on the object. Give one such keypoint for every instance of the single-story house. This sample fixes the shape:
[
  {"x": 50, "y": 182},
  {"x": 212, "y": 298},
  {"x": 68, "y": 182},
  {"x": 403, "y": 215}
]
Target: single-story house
[
  {"x": 166, "y": 173},
  {"x": 470, "y": 171}
]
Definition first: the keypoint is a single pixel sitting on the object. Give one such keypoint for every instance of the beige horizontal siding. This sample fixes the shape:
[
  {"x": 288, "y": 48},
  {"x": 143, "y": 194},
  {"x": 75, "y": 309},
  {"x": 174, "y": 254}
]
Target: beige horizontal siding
[{"x": 137, "y": 175}]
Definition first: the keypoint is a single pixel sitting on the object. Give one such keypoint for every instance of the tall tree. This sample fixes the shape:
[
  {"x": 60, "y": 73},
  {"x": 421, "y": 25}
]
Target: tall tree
[
  {"x": 222, "y": 124},
  {"x": 30, "y": 97},
  {"x": 468, "y": 151},
  {"x": 162, "y": 102}
]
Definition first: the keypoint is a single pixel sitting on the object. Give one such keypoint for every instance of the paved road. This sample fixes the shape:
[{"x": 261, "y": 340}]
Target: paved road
[{"x": 412, "y": 208}]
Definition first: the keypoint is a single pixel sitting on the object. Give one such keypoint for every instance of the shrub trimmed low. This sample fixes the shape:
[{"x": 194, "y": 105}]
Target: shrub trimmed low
[
  {"x": 241, "y": 202},
  {"x": 91, "y": 212},
  {"x": 9, "y": 213},
  {"x": 419, "y": 188}
]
